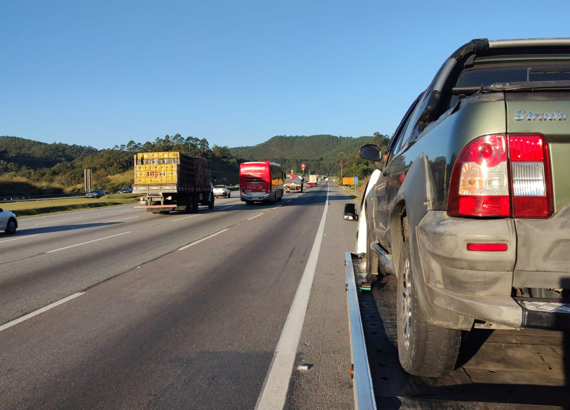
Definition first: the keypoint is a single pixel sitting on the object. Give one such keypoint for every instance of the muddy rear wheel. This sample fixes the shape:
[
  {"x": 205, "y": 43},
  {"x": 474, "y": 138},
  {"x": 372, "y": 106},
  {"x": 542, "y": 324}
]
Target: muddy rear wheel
[{"x": 424, "y": 349}]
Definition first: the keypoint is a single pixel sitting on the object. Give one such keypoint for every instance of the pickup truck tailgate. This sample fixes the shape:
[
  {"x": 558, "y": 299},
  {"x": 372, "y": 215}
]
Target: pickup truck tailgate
[{"x": 543, "y": 249}]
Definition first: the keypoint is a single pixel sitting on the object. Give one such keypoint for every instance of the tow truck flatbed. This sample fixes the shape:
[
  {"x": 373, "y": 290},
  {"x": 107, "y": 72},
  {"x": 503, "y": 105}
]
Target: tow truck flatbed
[{"x": 497, "y": 369}]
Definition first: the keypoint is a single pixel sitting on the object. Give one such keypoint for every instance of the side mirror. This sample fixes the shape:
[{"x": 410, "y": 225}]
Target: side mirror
[{"x": 371, "y": 152}]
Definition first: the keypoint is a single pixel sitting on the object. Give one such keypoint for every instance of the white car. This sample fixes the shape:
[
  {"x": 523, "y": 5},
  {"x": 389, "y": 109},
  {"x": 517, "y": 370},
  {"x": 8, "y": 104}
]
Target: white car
[
  {"x": 8, "y": 221},
  {"x": 222, "y": 190}
]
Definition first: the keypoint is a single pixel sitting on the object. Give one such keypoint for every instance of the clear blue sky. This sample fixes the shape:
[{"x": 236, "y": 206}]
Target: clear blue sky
[{"x": 104, "y": 72}]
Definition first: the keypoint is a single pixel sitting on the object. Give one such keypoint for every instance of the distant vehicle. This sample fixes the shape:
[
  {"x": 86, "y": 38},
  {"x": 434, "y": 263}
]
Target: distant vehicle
[
  {"x": 172, "y": 180},
  {"x": 309, "y": 185},
  {"x": 261, "y": 181},
  {"x": 222, "y": 190},
  {"x": 293, "y": 184},
  {"x": 127, "y": 190},
  {"x": 96, "y": 193},
  {"x": 350, "y": 212},
  {"x": 8, "y": 221},
  {"x": 313, "y": 178}
]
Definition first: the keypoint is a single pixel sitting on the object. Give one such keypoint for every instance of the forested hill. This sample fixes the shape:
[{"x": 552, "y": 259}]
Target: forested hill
[
  {"x": 33, "y": 154},
  {"x": 30, "y": 167},
  {"x": 46, "y": 167},
  {"x": 320, "y": 153}
]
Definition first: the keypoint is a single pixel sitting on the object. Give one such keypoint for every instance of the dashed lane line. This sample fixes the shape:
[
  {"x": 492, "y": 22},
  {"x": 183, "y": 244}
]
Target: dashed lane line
[
  {"x": 122, "y": 219},
  {"x": 17, "y": 239},
  {"x": 186, "y": 217},
  {"x": 203, "y": 239},
  {"x": 58, "y": 220},
  {"x": 85, "y": 243},
  {"x": 37, "y": 312}
]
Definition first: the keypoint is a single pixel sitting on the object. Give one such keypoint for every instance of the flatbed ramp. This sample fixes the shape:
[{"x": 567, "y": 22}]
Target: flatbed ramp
[{"x": 497, "y": 369}]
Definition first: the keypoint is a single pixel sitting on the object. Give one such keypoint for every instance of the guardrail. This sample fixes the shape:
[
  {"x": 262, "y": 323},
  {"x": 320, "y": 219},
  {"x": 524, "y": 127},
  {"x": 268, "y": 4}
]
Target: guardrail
[
  {"x": 22, "y": 198},
  {"x": 360, "y": 370}
]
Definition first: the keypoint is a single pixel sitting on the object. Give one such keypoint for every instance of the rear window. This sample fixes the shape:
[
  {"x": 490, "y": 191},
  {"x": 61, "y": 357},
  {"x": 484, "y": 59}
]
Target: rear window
[
  {"x": 476, "y": 77},
  {"x": 510, "y": 69}
]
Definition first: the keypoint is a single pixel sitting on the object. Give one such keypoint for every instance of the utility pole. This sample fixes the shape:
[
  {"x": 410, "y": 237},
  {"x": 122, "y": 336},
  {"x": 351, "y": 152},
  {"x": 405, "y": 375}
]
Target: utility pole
[
  {"x": 88, "y": 178},
  {"x": 341, "y": 165}
]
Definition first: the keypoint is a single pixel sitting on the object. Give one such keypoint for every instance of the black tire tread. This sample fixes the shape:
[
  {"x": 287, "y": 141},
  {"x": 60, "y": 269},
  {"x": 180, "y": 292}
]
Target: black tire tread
[{"x": 433, "y": 349}]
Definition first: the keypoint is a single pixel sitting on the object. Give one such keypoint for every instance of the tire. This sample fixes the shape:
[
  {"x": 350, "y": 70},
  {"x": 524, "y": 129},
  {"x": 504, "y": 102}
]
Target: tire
[
  {"x": 211, "y": 202},
  {"x": 11, "y": 227},
  {"x": 193, "y": 203},
  {"x": 424, "y": 349}
]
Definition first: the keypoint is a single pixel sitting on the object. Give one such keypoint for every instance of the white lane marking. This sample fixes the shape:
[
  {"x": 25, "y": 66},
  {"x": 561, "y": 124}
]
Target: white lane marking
[
  {"x": 226, "y": 207},
  {"x": 253, "y": 217},
  {"x": 122, "y": 219},
  {"x": 186, "y": 217},
  {"x": 274, "y": 391},
  {"x": 85, "y": 243},
  {"x": 17, "y": 239},
  {"x": 58, "y": 220},
  {"x": 203, "y": 239},
  {"x": 42, "y": 310}
]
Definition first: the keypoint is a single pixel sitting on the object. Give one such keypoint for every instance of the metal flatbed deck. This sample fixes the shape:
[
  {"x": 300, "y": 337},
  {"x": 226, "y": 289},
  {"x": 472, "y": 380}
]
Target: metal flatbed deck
[{"x": 501, "y": 369}]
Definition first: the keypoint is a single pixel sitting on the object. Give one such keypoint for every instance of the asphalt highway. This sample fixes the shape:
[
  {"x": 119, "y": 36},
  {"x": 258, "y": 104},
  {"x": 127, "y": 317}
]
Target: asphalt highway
[{"x": 123, "y": 309}]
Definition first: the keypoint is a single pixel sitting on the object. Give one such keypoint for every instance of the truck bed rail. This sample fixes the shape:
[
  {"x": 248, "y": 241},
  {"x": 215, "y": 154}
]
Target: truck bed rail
[{"x": 360, "y": 370}]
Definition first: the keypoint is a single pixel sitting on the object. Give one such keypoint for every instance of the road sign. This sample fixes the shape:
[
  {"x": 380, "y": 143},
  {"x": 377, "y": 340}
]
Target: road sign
[
  {"x": 350, "y": 180},
  {"x": 303, "y": 167}
]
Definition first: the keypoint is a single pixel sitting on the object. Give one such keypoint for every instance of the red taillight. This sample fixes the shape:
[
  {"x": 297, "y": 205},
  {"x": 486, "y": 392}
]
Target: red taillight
[
  {"x": 530, "y": 173},
  {"x": 479, "y": 182},
  {"x": 482, "y": 186},
  {"x": 487, "y": 247},
  {"x": 487, "y": 205}
]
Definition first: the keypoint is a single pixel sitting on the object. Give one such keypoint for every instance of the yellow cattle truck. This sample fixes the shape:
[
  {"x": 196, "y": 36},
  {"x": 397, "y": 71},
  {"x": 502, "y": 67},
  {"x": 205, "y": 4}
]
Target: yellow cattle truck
[{"x": 172, "y": 181}]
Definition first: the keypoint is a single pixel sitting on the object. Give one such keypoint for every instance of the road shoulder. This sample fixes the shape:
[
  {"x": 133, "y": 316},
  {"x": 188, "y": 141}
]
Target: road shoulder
[{"x": 324, "y": 345}]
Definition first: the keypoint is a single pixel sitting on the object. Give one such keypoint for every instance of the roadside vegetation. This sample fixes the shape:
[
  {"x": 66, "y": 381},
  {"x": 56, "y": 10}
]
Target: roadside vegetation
[
  {"x": 35, "y": 169},
  {"x": 322, "y": 154},
  {"x": 54, "y": 206}
]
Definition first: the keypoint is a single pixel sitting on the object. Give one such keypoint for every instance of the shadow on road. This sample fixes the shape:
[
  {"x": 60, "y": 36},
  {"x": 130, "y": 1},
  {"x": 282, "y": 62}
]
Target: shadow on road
[
  {"x": 501, "y": 369},
  {"x": 52, "y": 229}
]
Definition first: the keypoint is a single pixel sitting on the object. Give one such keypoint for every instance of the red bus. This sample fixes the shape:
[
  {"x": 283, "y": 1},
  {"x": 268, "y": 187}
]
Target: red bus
[{"x": 261, "y": 181}]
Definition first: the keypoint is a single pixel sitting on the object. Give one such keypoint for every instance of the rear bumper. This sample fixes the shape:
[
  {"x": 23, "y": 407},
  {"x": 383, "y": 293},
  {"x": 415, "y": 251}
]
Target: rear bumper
[
  {"x": 253, "y": 198},
  {"x": 163, "y": 207},
  {"x": 461, "y": 286}
]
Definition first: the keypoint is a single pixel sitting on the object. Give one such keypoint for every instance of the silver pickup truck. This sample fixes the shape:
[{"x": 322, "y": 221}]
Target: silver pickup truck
[{"x": 471, "y": 207}]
